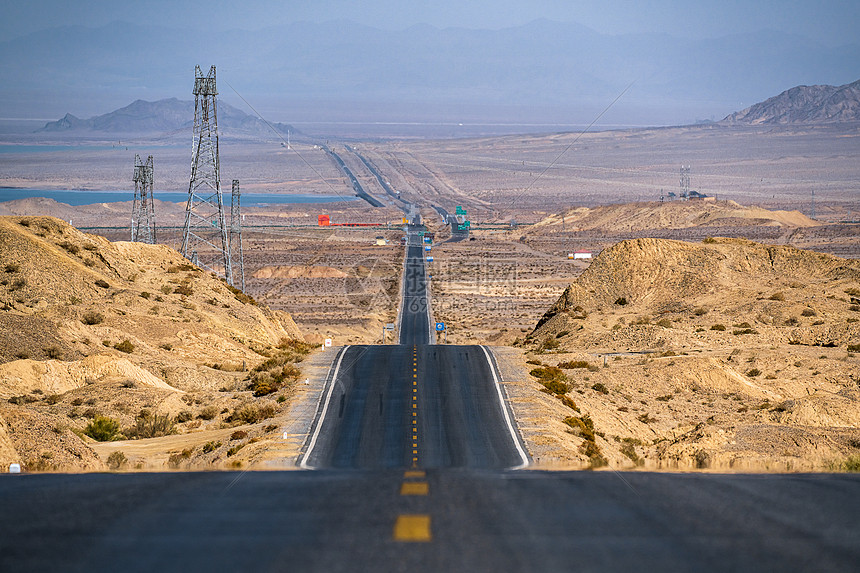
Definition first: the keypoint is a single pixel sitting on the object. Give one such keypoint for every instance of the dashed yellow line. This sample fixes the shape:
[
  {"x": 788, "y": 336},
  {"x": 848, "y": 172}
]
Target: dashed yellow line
[
  {"x": 412, "y": 528},
  {"x": 414, "y": 488}
]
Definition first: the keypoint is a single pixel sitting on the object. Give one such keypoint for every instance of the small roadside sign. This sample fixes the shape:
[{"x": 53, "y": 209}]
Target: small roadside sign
[
  {"x": 440, "y": 326},
  {"x": 328, "y": 342},
  {"x": 426, "y": 247},
  {"x": 429, "y": 259},
  {"x": 389, "y": 326}
]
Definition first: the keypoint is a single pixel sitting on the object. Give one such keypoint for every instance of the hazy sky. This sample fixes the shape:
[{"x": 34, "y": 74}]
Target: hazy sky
[{"x": 832, "y": 22}]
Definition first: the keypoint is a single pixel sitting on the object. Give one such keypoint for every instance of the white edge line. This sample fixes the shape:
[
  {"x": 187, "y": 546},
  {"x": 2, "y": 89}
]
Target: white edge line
[
  {"x": 312, "y": 443},
  {"x": 507, "y": 416}
]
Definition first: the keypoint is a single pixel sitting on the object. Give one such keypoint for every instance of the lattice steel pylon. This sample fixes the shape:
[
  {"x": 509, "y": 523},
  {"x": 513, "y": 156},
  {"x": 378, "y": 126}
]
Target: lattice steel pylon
[
  {"x": 685, "y": 182},
  {"x": 204, "y": 236},
  {"x": 142, "y": 212},
  {"x": 236, "y": 252}
]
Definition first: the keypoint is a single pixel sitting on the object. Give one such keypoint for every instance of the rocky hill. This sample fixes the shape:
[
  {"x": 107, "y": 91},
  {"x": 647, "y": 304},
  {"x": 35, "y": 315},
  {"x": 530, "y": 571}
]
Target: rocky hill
[
  {"x": 166, "y": 115},
  {"x": 722, "y": 354},
  {"x": 125, "y": 331},
  {"x": 635, "y": 217},
  {"x": 804, "y": 105}
]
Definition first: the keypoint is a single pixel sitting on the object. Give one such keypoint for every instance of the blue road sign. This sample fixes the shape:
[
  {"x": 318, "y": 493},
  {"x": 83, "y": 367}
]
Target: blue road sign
[{"x": 440, "y": 326}]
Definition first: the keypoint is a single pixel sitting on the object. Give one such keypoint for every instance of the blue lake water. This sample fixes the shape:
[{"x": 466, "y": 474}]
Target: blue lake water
[{"x": 90, "y": 197}]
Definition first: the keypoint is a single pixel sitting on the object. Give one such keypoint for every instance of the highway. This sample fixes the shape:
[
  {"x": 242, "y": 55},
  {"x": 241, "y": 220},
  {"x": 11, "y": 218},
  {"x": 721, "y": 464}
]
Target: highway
[{"x": 411, "y": 465}]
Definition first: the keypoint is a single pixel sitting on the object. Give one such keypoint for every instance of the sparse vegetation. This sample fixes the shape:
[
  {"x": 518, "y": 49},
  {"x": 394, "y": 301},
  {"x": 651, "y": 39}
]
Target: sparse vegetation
[
  {"x": 71, "y": 248},
  {"x": 150, "y": 425},
  {"x": 103, "y": 429},
  {"x": 211, "y": 447},
  {"x": 208, "y": 413},
  {"x": 102, "y": 283},
  {"x": 117, "y": 460},
  {"x": 92, "y": 317},
  {"x": 600, "y": 387},
  {"x": 251, "y": 414},
  {"x": 124, "y": 346},
  {"x": 572, "y": 364},
  {"x": 621, "y": 301},
  {"x": 175, "y": 460},
  {"x": 53, "y": 352}
]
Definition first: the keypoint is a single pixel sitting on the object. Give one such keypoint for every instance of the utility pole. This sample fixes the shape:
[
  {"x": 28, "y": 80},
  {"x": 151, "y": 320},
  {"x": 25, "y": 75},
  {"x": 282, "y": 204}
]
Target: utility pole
[
  {"x": 204, "y": 236},
  {"x": 142, "y": 212}
]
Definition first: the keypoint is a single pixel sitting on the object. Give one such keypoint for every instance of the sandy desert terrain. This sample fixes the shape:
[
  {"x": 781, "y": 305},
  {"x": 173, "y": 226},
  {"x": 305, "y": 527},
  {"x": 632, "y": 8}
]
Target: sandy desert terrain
[{"x": 569, "y": 193}]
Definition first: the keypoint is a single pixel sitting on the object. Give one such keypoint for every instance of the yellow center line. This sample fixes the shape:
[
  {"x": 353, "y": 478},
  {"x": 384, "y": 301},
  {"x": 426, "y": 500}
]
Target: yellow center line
[
  {"x": 412, "y": 528},
  {"x": 414, "y": 488}
]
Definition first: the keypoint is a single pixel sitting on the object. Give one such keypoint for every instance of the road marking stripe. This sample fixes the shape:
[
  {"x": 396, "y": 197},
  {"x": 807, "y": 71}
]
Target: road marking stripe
[
  {"x": 414, "y": 488},
  {"x": 313, "y": 441},
  {"x": 507, "y": 417},
  {"x": 412, "y": 528},
  {"x": 414, "y": 474}
]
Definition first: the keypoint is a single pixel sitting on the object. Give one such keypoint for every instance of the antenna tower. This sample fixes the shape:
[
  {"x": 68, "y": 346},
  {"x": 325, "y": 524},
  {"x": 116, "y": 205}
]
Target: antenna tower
[
  {"x": 142, "y": 213},
  {"x": 236, "y": 253},
  {"x": 204, "y": 236},
  {"x": 685, "y": 182}
]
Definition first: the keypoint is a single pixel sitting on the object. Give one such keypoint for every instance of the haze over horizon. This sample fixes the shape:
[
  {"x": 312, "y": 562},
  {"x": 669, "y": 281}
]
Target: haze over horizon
[{"x": 548, "y": 62}]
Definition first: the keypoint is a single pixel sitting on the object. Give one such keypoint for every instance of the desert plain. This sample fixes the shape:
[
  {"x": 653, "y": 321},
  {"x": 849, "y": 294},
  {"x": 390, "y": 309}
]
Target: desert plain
[{"x": 625, "y": 369}]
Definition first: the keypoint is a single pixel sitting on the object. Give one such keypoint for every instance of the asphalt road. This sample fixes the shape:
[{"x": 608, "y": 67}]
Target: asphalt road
[
  {"x": 413, "y": 452},
  {"x": 477, "y": 520}
]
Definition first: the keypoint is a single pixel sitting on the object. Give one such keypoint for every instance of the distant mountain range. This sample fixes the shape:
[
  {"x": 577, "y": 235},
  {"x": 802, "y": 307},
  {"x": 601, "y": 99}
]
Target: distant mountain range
[
  {"x": 544, "y": 71},
  {"x": 804, "y": 105},
  {"x": 166, "y": 115}
]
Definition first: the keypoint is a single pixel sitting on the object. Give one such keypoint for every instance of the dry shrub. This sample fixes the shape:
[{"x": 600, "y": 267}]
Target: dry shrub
[{"x": 92, "y": 317}]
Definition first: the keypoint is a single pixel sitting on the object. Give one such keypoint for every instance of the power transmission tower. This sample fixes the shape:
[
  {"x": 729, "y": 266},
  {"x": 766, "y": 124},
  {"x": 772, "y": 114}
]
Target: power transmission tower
[
  {"x": 236, "y": 253},
  {"x": 142, "y": 212},
  {"x": 204, "y": 236},
  {"x": 813, "y": 203},
  {"x": 685, "y": 182}
]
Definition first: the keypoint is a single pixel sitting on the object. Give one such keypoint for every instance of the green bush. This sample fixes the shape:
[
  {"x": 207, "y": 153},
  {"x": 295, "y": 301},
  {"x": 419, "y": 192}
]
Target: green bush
[
  {"x": 124, "y": 346},
  {"x": 851, "y": 464},
  {"x": 583, "y": 426},
  {"x": 103, "y": 429}
]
